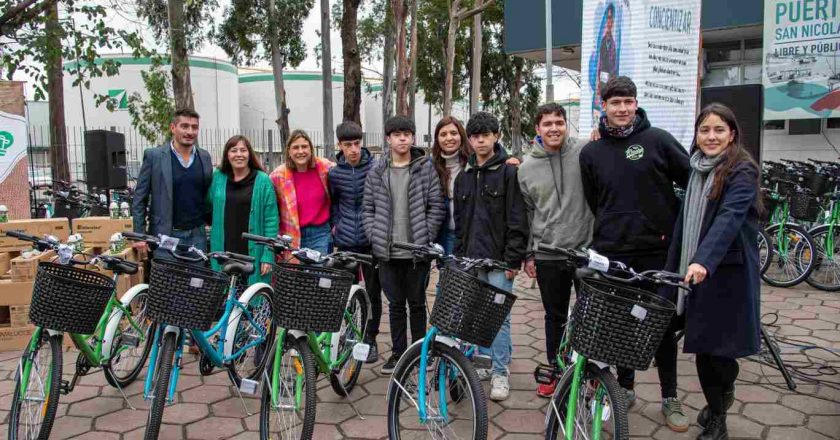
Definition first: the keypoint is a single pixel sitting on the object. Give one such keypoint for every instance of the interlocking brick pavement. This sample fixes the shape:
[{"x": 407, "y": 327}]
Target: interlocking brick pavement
[{"x": 209, "y": 408}]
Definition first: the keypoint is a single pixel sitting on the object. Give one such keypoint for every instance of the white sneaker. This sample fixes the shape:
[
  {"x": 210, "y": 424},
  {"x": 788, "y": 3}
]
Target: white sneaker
[
  {"x": 500, "y": 388},
  {"x": 483, "y": 374}
]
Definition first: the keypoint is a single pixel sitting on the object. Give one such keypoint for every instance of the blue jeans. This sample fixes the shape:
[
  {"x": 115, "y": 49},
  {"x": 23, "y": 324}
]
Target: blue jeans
[
  {"x": 317, "y": 238},
  {"x": 196, "y": 237},
  {"x": 502, "y": 348},
  {"x": 447, "y": 240}
]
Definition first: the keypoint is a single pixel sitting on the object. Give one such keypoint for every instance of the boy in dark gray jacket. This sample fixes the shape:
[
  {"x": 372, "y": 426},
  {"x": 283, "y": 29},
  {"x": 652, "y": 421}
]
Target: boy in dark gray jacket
[
  {"x": 403, "y": 203},
  {"x": 551, "y": 186}
]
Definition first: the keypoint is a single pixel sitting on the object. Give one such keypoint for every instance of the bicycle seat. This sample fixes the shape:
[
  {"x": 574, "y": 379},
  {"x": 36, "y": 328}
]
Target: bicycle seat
[
  {"x": 238, "y": 267},
  {"x": 120, "y": 266}
]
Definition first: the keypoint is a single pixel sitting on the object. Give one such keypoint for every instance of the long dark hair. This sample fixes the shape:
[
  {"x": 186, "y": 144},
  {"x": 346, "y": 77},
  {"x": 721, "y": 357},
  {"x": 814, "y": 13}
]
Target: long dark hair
[
  {"x": 734, "y": 155},
  {"x": 253, "y": 161},
  {"x": 437, "y": 151}
]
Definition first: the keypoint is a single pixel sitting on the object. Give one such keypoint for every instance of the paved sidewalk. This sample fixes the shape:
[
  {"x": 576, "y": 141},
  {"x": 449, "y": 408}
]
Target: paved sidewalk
[{"x": 208, "y": 408}]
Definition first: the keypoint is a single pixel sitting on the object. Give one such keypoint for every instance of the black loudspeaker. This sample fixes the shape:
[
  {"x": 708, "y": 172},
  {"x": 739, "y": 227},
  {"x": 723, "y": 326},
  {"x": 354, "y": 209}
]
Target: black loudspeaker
[
  {"x": 747, "y": 102},
  {"x": 105, "y": 159}
]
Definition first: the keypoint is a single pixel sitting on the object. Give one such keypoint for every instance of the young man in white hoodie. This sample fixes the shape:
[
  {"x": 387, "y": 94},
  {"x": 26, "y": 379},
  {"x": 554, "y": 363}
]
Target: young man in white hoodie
[{"x": 559, "y": 216}]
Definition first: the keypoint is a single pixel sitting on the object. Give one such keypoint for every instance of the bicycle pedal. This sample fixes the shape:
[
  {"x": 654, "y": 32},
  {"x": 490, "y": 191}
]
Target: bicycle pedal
[
  {"x": 129, "y": 341},
  {"x": 64, "y": 387},
  {"x": 482, "y": 361},
  {"x": 546, "y": 374},
  {"x": 248, "y": 386}
]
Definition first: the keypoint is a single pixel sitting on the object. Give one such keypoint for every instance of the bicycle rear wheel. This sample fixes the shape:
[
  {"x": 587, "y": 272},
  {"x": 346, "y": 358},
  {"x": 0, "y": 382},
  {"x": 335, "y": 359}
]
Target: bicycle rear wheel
[
  {"x": 764, "y": 251},
  {"x": 459, "y": 415},
  {"x": 598, "y": 388},
  {"x": 826, "y": 273},
  {"x": 250, "y": 364},
  {"x": 292, "y": 416},
  {"x": 352, "y": 331},
  {"x": 792, "y": 255},
  {"x": 32, "y": 415},
  {"x": 131, "y": 347}
]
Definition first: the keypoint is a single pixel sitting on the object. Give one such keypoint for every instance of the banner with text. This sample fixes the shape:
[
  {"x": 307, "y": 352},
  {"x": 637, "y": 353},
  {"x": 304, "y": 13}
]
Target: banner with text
[
  {"x": 801, "y": 68},
  {"x": 13, "y": 142},
  {"x": 655, "y": 43}
]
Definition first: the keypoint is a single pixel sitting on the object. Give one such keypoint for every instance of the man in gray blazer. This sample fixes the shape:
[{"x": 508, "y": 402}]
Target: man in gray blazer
[{"x": 172, "y": 186}]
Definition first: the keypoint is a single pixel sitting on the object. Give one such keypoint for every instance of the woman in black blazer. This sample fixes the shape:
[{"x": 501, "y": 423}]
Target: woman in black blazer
[{"x": 715, "y": 246}]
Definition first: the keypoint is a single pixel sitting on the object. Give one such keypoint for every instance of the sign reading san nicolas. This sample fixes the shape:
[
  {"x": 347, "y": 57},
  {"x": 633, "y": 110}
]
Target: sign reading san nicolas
[{"x": 801, "y": 71}]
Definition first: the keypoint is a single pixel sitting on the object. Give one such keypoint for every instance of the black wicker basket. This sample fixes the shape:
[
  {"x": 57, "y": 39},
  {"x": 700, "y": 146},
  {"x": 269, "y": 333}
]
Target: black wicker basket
[
  {"x": 469, "y": 308},
  {"x": 185, "y": 295},
  {"x": 818, "y": 183},
  {"x": 804, "y": 206},
  {"x": 786, "y": 188},
  {"x": 69, "y": 299},
  {"x": 619, "y": 325},
  {"x": 309, "y": 298}
]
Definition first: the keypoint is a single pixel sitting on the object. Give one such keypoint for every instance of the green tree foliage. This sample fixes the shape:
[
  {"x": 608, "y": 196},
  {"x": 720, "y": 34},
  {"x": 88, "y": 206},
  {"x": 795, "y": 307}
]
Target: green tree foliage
[
  {"x": 151, "y": 116},
  {"x": 198, "y": 20}
]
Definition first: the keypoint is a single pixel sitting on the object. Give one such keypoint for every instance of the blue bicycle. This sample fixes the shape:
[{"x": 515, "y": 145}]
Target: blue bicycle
[
  {"x": 434, "y": 390},
  {"x": 189, "y": 297}
]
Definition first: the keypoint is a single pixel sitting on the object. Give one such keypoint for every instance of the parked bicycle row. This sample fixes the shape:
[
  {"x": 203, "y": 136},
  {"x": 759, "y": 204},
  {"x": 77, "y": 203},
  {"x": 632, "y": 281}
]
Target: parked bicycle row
[{"x": 64, "y": 199}]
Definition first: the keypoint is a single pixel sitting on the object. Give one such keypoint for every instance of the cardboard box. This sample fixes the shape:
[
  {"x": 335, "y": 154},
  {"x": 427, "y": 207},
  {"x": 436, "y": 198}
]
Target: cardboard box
[
  {"x": 15, "y": 338},
  {"x": 24, "y": 269},
  {"x": 59, "y": 227},
  {"x": 6, "y": 261},
  {"x": 14, "y": 293},
  {"x": 97, "y": 231},
  {"x": 19, "y": 315}
]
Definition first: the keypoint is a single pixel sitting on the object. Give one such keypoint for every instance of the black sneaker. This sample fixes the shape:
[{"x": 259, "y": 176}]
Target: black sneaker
[
  {"x": 373, "y": 353},
  {"x": 390, "y": 364}
]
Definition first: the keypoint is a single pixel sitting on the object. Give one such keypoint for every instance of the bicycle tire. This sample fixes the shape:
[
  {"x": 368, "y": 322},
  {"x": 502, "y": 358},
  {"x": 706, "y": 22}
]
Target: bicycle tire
[
  {"x": 803, "y": 243},
  {"x": 555, "y": 416},
  {"x": 341, "y": 381},
  {"x": 763, "y": 246},
  {"x": 814, "y": 279},
  {"x": 241, "y": 337},
  {"x": 409, "y": 362},
  {"x": 307, "y": 364},
  {"x": 160, "y": 387},
  {"x": 52, "y": 394},
  {"x": 113, "y": 377}
]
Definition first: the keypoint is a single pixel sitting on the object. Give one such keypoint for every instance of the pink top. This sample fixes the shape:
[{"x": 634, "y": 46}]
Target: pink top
[{"x": 312, "y": 201}]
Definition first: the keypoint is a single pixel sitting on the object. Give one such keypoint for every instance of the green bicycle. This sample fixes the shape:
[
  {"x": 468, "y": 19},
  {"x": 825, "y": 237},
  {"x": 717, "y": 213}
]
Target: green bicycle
[
  {"x": 791, "y": 249},
  {"x": 588, "y": 402},
  {"x": 826, "y": 236},
  {"x": 321, "y": 316},
  {"x": 110, "y": 334}
]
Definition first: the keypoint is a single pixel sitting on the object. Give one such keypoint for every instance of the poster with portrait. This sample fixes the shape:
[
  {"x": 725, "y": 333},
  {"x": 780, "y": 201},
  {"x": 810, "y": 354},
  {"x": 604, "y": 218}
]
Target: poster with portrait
[{"x": 654, "y": 42}]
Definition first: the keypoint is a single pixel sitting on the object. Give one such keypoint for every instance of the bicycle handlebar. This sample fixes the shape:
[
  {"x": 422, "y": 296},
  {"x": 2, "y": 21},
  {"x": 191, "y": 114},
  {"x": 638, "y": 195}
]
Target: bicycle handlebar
[{"x": 436, "y": 251}]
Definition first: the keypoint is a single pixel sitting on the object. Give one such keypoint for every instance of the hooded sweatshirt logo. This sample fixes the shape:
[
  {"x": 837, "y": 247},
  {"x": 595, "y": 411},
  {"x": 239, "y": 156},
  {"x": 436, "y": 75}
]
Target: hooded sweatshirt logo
[{"x": 635, "y": 152}]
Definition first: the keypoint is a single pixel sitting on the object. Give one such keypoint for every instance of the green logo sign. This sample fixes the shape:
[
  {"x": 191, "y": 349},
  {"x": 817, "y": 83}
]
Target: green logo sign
[
  {"x": 6, "y": 141},
  {"x": 120, "y": 97},
  {"x": 635, "y": 152}
]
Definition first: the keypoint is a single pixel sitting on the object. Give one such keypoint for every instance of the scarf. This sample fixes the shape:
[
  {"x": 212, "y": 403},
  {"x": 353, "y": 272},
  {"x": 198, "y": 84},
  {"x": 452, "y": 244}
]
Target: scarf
[
  {"x": 696, "y": 198},
  {"x": 619, "y": 132}
]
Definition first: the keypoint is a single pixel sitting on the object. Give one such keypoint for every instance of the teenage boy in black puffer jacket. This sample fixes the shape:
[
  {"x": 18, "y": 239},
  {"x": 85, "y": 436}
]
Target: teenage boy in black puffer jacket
[
  {"x": 628, "y": 179},
  {"x": 347, "y": 188}
]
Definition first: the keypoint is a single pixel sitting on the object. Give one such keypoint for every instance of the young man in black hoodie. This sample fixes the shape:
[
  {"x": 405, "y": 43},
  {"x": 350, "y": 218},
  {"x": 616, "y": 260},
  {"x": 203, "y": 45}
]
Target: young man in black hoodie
[
  {"x": 628, "y": 180},
  {"x": 491, "y": 222}
]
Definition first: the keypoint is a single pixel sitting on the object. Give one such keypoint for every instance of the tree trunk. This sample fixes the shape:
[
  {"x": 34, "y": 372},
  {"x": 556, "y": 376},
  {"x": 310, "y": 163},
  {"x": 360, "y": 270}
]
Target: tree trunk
[
  {"x": 516, "y": 108},
  {"x": 181, "y": 86},
  {"x": 475, "y": 88},
  {"x": 398, "y": 7},
  {"x": 277, "y": 61},
  {"x": 352, "y": 62},
  {"x": 412, "y": 69},
  {"x": 55, "y": 89},
  {"x": 326, "y": 66},
  {"x": 388, "y": 73},
  {"x": 454, "y": 22}
]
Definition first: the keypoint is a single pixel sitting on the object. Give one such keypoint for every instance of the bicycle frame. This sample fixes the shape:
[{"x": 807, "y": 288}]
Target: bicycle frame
[
  {"x": 92, "y": 352},
  {"x": 216, "y": 354}
]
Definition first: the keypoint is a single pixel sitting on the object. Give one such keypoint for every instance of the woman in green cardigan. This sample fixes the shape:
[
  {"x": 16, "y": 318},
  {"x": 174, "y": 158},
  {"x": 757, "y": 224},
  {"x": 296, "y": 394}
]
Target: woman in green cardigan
[{"x": 243, "y": 200}]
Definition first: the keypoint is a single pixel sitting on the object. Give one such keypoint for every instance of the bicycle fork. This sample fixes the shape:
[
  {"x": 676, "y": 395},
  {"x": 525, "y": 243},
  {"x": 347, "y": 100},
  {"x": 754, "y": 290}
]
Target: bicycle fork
[{"x": 153, "y": 362}]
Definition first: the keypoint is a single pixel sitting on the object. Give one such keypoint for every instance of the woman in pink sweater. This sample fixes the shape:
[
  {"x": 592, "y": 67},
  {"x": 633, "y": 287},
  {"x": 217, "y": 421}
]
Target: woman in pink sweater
[{"x": 303, "y": 195}]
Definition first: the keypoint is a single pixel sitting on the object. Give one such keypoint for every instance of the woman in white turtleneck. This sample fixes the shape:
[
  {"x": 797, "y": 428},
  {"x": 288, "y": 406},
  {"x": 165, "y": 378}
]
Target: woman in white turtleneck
[{"x": 450, "y": 152}]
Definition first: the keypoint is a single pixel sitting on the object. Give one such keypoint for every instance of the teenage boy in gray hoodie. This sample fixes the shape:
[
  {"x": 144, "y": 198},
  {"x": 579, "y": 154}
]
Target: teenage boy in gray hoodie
[{"x": 559, "y": 216}]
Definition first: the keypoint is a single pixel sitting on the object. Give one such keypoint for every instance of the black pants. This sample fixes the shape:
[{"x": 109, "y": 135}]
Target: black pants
[
  {"x": 555, "y": 280},
  {"x": 404, "y": 282},
  {"x": 717, "y": 376},
  {"x": 666, "y": 354},
  {"x": 374, "y": 293}
]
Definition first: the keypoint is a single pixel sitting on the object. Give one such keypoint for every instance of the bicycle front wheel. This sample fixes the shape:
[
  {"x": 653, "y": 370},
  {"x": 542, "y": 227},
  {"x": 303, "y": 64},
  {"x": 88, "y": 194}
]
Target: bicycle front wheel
[
  {"x": 455, "y": 407},
  {"x": 764, "y": 251},
  {"x": 352, "y": 331},
  {"x": 160, "y": 385},
  {"x": 33, "y": 412},
  {"x": 826, "y": 273},
  {"x": 289, "y": 412},
  {"x": 792, "y": 255},
  {"x": 598, "y": 393}
]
